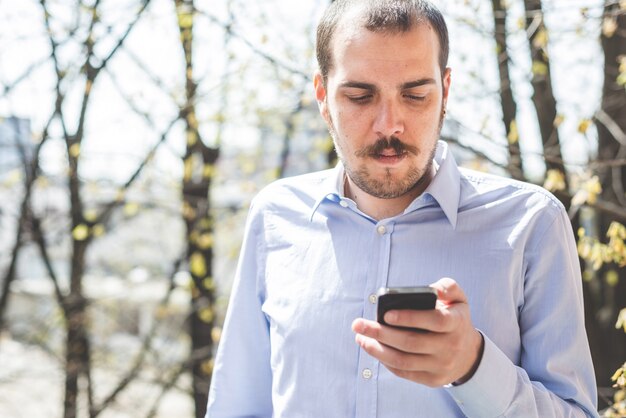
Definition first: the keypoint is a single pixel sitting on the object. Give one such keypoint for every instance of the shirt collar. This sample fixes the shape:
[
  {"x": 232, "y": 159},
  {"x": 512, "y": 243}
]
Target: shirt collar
[
  {"x": 445, "y": 188},
  {"x": 331, "y": 188}
]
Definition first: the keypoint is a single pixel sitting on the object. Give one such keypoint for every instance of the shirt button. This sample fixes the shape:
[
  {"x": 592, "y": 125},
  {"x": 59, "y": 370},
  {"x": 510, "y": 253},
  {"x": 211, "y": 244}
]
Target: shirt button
[
  {"x": 367, "y": 373},
  {"x": 373, "y": 298},
  {"x": 343, "y": 203},
  {"x": 381, "y": 229}
]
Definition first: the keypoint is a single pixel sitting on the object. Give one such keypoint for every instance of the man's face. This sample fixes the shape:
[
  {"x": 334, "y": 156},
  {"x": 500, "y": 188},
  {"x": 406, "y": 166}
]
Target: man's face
[{"x": 383, "y": 104}]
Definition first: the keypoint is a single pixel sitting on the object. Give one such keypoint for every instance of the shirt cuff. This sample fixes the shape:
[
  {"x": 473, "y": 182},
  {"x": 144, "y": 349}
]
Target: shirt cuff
[{"x": 489, "y": 392}]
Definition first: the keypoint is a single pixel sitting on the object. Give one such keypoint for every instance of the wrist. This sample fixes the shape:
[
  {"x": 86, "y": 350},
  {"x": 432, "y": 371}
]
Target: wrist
[{"x": 467, "y": 376}]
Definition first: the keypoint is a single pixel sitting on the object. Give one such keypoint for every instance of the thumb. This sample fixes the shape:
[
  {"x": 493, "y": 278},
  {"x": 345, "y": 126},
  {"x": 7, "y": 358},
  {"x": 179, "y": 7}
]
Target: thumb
[{"x": 449, "y": 291}]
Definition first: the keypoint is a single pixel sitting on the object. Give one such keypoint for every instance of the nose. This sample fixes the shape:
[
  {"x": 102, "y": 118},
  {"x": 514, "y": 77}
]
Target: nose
[{"x": 388, "y": 120}]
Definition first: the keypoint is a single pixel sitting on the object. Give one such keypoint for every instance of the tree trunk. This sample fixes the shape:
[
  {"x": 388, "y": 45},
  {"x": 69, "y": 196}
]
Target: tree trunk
[
  {"x": 610, "y": 349},
  {"x": 199, "y": 168},
  {"x": 543, "y": 97},
  {"x": 507, "y": 101}
]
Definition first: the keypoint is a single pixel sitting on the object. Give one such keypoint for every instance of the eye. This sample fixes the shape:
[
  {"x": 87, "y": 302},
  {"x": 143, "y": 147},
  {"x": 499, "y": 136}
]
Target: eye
[
  {"x": 415, "y": 98},
  {"x": 360, "y": 99}
]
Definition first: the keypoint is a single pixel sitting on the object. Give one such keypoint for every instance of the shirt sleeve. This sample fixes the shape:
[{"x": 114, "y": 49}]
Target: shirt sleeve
[
  {"x": 554, "y": 375},
  {"x": 242, "y": 379}
]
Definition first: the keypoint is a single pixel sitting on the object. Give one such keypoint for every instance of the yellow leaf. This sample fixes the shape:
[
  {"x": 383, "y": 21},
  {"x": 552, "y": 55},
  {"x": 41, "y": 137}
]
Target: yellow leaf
[
  {"x": 596, "y": 256},
  {"x": 121, "y": 194},
  {"x": 539, "y": 68},
  {"x": 609, "y": 26},
  {"x": 74, "y": 150},
  {"x": 90, "y": 215},
  {"x": 612, "y": 278},
  {"x": 587, "y": 276},
  {"x": 131, "y": 209},
  {"x": 621, "y": 320},
  {"x": 616, "y": 230},
  {"x": 197, "y": 266},
  {"x": 188, "y": 169},
  {"x": 558, "y": 120},
  {"x": 188, "y": 211},
  {"x": 205, "y": 241},
  {"x": 216, "y": 334},
  {"x": 207, "y": 367},
  {"x": 208, "y": 283},
  {"x": 88, "y": 86},
  {"x": 80, "y": 232},
  {"x": 206, "y": 315},
  {"x": 584, "y": 125},
  {"x": 192, "y": 138},
  {"x": 593, "y": 189},
  {"x": 208, "y": 171},
  {"x": 97, "y": 230},
  {"x": 192, "y": 120},
  {"x": 540, "y": 41},
  {"x": 513, "y": 135},
  {"x": 555, "y": 180},
  {"x": 185, "y": 20},
  {"x": 584, "y": 248}
]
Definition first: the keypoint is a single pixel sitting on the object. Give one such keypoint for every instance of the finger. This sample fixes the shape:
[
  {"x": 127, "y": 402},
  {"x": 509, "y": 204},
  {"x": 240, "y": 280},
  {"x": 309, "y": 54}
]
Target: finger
[
  {"x": 407, "y": 341},
  {"x": 392, "y": 357},
  {"x": 435, "y": 320},
  {"x": 449, "y": 291}
]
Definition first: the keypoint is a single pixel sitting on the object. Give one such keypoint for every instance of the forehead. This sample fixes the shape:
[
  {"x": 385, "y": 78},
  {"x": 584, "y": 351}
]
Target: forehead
[{"x": 359, "y": 53}]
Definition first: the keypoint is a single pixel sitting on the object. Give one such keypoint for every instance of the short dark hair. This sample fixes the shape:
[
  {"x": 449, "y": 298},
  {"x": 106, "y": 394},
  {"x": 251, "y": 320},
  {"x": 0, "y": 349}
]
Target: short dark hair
[{"x": 380, "y": 16}]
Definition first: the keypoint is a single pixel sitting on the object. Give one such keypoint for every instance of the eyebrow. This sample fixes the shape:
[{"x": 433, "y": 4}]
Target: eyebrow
[
  {"x": 403, "y": 86},
  {"x": 418, "y": 83}
]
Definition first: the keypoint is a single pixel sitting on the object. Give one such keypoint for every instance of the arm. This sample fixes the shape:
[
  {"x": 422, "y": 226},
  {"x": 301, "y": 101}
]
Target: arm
[
  {"x": 555, "y": 374},
  {"x": 242, "y": 380},
  {"x": 555, "y": 377}
]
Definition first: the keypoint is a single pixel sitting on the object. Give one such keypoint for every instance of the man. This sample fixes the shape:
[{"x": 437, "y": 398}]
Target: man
[{"x": 301, "y": 337}]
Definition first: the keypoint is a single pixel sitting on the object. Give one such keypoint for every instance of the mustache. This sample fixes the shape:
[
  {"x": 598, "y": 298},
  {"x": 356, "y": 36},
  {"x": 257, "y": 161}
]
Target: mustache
[{"x": 382, "y": 144}]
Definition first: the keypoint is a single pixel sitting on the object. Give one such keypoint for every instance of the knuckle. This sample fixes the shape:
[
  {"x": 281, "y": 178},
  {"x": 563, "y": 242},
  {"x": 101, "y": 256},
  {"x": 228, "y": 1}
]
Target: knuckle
[
  {"x": 400, "y": 362},
  {"x": 411, "y": 342}
]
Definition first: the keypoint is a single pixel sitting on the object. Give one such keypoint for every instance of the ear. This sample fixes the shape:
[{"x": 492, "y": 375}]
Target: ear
[
  {"x": 447, "y": 79},
  {"x": 320, "y": 95}
]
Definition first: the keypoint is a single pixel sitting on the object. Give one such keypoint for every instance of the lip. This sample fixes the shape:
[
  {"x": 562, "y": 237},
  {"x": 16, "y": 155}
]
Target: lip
[{"x": 391, "y": 159}]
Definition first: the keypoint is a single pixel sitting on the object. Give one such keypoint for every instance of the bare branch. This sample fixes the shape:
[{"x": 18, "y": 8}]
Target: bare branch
[
  {"x": 275, "y": 61},
  {"x": 145, "y": 348}
]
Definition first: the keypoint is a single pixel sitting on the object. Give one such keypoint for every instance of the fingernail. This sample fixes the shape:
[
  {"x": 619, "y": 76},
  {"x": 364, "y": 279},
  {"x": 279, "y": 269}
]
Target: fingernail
[{"x": 391, "y": 317}]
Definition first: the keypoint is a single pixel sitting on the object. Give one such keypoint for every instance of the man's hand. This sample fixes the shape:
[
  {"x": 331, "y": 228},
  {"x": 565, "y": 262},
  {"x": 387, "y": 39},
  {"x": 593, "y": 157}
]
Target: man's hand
[{"x": 449, "y": 352}]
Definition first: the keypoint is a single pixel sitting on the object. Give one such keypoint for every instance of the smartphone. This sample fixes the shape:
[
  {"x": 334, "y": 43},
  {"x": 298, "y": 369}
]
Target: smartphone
[{"x": 415, "y": 298}]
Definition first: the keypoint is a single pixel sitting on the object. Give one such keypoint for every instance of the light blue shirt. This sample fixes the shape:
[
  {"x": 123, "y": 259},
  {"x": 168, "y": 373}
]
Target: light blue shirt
[{"x": 311, "y": 263}]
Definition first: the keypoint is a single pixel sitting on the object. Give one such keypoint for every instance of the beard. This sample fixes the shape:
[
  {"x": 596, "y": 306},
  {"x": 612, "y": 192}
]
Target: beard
[{"x": 389, "y": 186}]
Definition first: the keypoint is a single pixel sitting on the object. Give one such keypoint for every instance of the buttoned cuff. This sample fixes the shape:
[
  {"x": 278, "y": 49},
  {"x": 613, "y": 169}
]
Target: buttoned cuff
[{"x": 490, "y": 390}]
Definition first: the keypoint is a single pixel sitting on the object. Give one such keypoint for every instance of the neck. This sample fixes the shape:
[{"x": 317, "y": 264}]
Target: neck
[{"x": 379, "y": 208}]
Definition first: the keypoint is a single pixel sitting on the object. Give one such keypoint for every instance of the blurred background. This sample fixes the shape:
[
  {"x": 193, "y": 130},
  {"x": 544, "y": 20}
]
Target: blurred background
[{"x": 134, "y": 133}]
